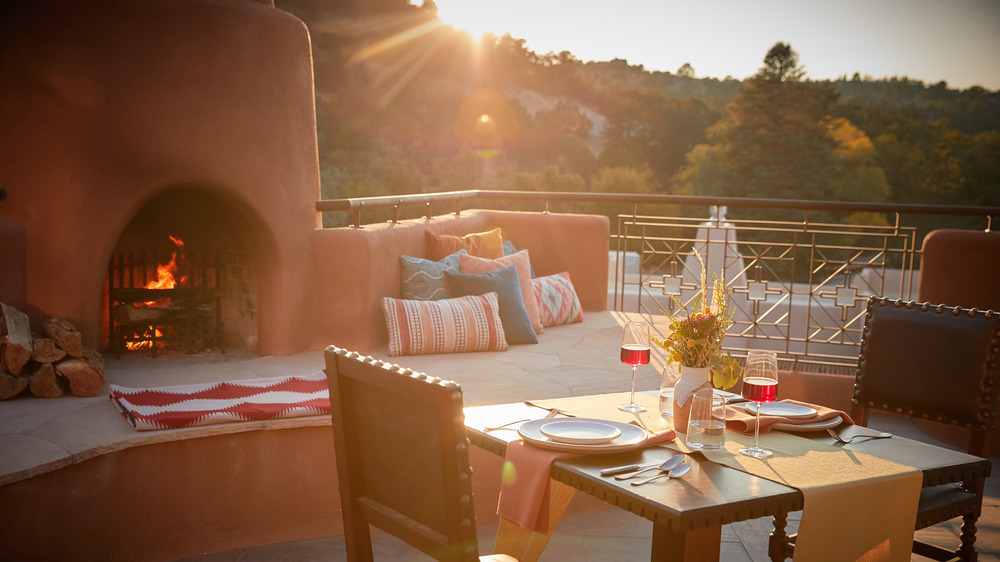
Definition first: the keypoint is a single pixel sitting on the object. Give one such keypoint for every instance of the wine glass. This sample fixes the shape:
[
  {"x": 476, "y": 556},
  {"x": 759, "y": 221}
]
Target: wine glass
[
  {"x": 635, "y": 352},
  {"x": 760, "y": 384}
]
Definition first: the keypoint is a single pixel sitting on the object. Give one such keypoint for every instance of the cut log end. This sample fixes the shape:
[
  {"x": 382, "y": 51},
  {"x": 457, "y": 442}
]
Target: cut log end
[
  {"x": 45, "y": 350},
  {"x": 16, "y": 331},
  {"x": 66, "y": 335},
  {"x": 84, "y": 374},
  {"x": 11, "y": 386},
  {"x": 45, "y": 384}
]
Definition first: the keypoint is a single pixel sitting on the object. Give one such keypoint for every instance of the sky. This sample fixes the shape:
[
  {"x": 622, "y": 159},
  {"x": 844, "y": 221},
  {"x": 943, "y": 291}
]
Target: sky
[{"x": 957, "y": 41}]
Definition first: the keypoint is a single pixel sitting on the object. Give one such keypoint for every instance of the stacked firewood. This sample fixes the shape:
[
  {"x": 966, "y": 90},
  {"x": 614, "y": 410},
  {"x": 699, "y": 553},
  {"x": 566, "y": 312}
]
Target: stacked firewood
[{"x": 48, "y": 366}]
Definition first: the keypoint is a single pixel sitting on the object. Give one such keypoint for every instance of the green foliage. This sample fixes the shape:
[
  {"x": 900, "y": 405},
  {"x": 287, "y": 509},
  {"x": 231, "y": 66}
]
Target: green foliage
[
  {"x": 624, "y": 180},
  {"x": 695, "y": 338},
  {"x": 404, "y": 118},
  {"x": 773, "y": 143}
]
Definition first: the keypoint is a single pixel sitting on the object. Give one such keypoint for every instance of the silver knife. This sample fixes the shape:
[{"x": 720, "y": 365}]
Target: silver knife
[{"x": 629, "y": 468}]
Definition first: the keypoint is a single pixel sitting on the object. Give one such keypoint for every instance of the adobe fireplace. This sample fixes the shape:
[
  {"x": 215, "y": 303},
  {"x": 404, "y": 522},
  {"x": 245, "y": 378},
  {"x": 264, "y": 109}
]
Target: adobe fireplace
[{"x": 129, "y": 122}]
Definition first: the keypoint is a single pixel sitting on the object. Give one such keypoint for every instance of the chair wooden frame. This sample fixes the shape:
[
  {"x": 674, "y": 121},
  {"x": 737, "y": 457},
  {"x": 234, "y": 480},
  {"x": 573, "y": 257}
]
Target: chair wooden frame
[
  {"x": 402, "y": 457},
  {"x": 935, "y": 363}
]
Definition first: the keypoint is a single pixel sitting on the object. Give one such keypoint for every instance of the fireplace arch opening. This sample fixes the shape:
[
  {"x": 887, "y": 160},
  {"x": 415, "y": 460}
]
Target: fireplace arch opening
[{"x": 182, "y": 278}]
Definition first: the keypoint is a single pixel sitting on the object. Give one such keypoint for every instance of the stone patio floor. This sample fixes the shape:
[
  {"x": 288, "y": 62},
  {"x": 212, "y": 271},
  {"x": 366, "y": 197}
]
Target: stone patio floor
[{"x": 571, "y": 360}]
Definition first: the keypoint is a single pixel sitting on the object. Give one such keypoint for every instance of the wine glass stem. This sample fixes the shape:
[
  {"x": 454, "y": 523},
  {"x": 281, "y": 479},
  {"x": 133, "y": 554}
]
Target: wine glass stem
[
  {"x": 631, "y": 396},
  {"x": 756, "y": 430}
]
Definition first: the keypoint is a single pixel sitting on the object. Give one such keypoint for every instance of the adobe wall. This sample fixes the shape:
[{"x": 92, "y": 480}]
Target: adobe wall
[{"x": 106, "y": 105}]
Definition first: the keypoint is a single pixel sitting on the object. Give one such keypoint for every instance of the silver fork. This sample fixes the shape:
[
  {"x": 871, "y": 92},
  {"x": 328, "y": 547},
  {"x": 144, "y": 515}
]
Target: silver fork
[
  {"x": 552, "y": 413},
  {"x": 843, "y": 441}
]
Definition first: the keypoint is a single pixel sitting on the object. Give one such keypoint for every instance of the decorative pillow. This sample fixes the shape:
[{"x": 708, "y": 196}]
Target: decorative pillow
[
  {"x": 487, "y": 244},
  {"x": 470, "y": 323},
  {"x": 472, "y": 264},
  {"x": 505, "y": 283},
  {"x": 423, "y": 280},
  {"x": 557, "y": 300},
  {"x": 509, "y": 248}
]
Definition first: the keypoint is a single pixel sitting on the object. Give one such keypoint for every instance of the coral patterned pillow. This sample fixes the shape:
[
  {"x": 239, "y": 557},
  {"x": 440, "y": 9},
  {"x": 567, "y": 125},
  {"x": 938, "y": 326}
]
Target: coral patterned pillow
[
  {"x": 472, "y": 264},
  {"x": 557, "y": 300},
  {"x": 469, "y": 323},
  {"x": 487, "y": 244}
]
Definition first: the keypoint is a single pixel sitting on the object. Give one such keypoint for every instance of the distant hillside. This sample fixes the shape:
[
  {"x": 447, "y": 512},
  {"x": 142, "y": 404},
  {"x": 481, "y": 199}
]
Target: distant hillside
[{"x": 406, "y": 104}]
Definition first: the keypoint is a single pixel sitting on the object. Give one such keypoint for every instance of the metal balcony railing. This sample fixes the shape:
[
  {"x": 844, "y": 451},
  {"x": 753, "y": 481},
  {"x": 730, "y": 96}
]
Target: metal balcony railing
[{"x": 799, "y": 272}]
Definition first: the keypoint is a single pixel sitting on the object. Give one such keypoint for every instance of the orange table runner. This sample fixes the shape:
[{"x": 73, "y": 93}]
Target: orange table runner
[{"x": 524, "y": 495}]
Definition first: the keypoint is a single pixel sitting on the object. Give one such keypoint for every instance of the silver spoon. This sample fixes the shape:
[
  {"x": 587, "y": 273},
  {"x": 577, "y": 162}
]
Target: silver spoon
[
  {"x": 843, "y": 441},
  {"x": 675, "y": 473},
  {"x": 666, "y": 466}
]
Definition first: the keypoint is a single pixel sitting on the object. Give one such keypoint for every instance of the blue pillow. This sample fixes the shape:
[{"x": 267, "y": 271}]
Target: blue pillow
[
  {"x": 423, "y": 280},
  {"x": 507, "y": 285}
]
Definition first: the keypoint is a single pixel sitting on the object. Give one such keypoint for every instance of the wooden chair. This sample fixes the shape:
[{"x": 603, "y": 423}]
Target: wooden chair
[
  {"x": 933, "y": 363},
  {"x": 402, "y": 458}
]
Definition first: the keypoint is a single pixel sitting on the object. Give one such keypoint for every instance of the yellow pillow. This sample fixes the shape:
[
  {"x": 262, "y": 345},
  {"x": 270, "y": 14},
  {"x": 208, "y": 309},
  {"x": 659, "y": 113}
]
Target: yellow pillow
[{"x": 487, "y": 244}]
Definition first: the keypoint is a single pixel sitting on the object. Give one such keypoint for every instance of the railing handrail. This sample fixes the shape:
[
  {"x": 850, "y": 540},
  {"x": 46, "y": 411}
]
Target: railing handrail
[{"x": 356, "y": 204}]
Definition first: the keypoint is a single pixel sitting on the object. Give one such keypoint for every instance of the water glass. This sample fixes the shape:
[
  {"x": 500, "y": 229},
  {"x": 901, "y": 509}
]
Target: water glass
[
  {"x": 706, "y": 429},
  {"x": 667, "y": 402}
]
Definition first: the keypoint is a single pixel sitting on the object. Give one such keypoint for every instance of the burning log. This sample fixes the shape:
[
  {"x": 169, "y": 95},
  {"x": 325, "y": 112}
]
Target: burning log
[
  {"x": 11, "y": 386},
  {"x": 46, "y": 351},
  {"x": 44, "y": 383},
  {"x": 85, "y": 374},
  {"x": 126, "y": 314},
  {"x": 16, "y": 331},
  {"x": 66, "y": 335}
]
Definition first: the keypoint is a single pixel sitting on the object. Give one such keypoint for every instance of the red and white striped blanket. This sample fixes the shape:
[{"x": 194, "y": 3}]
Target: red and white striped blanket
[{"x": 169, "y": 407}]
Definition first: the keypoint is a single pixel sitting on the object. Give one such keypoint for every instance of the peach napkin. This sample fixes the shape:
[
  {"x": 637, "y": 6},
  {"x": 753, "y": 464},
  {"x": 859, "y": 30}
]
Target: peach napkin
[
  {"x": 524, "y": 495},
  {"x": 741, "y": 420}
]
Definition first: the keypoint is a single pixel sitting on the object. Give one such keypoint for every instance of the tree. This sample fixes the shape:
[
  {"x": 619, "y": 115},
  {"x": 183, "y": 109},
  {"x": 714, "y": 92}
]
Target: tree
[
  {"x": 774, "y": 141},
  {"x": 686, "y": 71},
  {"x": 781, "y": 63}
]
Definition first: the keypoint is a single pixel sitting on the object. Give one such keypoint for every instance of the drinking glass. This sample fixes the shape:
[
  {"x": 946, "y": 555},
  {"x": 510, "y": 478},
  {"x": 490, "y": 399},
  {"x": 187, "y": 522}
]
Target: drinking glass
[
  {"x": 635, "y": 352},
  {"x": 705, "y": 431},
  {"x": 760, "y": 384}
]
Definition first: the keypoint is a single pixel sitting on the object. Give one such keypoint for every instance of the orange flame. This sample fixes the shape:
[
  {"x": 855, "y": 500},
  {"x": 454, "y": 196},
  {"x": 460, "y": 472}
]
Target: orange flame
[
  {"x": 165, "y": 272},
  {"x": 164, "y": 280}
]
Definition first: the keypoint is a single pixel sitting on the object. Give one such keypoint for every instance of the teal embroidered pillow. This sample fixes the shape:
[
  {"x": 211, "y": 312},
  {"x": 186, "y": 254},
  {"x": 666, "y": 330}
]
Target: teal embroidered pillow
[{"x": 423, "y": 280}]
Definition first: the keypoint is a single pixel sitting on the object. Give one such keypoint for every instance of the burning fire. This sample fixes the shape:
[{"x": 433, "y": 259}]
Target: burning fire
[
  {"x": 165, "y": 272},
  {"x": 165, "y": 279}
]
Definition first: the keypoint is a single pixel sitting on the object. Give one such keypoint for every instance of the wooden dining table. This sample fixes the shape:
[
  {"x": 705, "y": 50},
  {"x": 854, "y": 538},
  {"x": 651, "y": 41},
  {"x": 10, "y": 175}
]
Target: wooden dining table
[{"x": 688, "y": 515}]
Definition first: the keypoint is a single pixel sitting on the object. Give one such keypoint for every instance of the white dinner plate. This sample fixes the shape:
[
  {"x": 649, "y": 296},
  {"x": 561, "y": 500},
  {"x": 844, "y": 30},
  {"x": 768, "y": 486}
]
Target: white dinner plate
[
  {"x": 781, "y": 409},
  {"x": 815, "y": 426},
  {"x": 580, "y": 432},
  {"x": 631, "y": 436}
]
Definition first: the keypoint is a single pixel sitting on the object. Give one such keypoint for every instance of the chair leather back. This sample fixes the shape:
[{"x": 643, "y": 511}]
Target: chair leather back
[
  {"x": 933, "y": 362},
  {"x": 402, "y": 457}
]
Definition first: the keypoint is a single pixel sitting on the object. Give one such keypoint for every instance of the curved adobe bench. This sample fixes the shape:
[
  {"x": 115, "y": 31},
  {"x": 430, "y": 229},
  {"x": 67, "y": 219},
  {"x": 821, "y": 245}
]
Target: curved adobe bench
[{"x": 356, "y": 267}]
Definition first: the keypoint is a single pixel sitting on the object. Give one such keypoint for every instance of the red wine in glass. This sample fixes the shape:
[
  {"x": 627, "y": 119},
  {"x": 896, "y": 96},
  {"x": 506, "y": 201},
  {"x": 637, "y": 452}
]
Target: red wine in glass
[
  {"x": 635, "y": 355},
  {"x": 635, "y": 352},
  {"x": 759, "y": 389},
  {"x": 760, "y": 385}
]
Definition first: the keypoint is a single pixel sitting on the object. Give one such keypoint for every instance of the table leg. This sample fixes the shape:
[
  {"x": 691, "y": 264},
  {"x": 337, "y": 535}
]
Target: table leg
[
  {"x": 526, "y": 545},
  {"x": 671, "y": 545}
]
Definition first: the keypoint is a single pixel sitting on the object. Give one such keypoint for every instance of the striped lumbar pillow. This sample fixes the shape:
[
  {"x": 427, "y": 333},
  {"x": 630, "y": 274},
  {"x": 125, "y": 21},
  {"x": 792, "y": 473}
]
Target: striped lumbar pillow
[{"x": 470, "y": 323}]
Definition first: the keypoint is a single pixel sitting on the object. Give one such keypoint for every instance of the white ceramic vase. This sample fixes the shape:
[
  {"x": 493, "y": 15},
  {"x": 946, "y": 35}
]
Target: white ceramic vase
[{"x": 692, "y": 379}]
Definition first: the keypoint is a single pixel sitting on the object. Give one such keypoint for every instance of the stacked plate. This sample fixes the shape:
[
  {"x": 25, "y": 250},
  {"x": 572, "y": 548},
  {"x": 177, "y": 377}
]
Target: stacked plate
[
  {"x": 792, "y": 411},
  {"x": 582, "y": 434}
]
